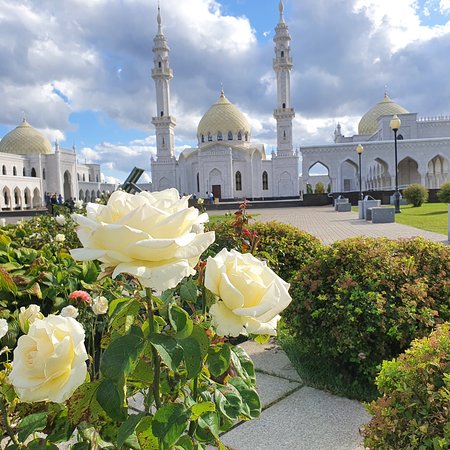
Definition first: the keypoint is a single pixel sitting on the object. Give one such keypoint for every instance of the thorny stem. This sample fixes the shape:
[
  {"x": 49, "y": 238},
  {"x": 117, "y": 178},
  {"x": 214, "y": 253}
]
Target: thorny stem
[{"x": 155, "y": 357}]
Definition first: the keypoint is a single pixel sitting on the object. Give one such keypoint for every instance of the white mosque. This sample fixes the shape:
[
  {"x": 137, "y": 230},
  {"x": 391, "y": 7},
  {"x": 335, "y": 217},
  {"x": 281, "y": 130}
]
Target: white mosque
[
  {"x": 225, "y": 161},
  {"x": 31, "y": 171},
  {"x": 423, "y": 152}
]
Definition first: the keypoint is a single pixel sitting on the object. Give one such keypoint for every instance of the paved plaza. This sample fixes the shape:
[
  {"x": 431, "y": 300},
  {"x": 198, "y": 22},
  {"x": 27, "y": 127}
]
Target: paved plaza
[{"x": 329, "y": 225}]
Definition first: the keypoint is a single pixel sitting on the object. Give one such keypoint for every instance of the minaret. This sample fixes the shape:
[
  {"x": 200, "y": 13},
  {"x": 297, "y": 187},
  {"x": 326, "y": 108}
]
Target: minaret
[
  {"x": 282, "y": 64},
  {"x": 162, "y": 74}
]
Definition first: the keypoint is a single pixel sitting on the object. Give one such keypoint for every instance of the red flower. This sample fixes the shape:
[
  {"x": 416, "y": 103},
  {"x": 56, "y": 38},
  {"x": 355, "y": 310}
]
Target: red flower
[{"x": 81, "y": 296}]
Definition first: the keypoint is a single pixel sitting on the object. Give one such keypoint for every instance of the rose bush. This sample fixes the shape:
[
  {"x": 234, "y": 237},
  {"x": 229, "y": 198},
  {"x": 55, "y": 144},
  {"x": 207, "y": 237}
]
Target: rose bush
[
  {"x": 251, "y": 294},
  {"x": 153, "y": 236},
  {"x": 3, "y": 327},
  {"x": 50, "y": 361},
  {"x": 28, "y": 315}
]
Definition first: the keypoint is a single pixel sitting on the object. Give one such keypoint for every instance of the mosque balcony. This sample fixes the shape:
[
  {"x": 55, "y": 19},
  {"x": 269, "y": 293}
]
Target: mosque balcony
[
  {"x": 284, "y": 63},
  {"x": 284, "y": 112},
  {"x": 162, "y": 72},
  {"x": 163, "y": 121}
]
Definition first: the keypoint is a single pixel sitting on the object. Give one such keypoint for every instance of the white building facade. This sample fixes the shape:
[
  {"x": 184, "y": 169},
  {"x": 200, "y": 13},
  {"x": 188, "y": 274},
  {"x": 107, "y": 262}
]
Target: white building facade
[
  {"x": 225, "y": 161},
  {"x": 423, "y": 149},
  {"x": 31, "y": 171}
]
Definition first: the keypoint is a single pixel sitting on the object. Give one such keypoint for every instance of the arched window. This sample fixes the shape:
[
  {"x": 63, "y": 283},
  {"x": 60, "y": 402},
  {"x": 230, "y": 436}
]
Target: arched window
[
  {"x": 203, "y": 138},
  {"x": 159, "y": 64},
  {"x": 219, "y": 135},
  {"x": 230, "y": 136},
  {"x": 209, "y": 137},
  {"x": 14, "y": 171},
  {"x": 265, "y": 181},
  {"x": 84, "y": 177},
  {"x": 33, "y": 172},
  {"x": 4, "y": 170},
  {"x": 238, "y": 181},
  {"x": 78, "y": 176},
  {"x": 282, "y": 53},
  {"x": 198, "y": 182},
  {"x": 239, "y": 136},
  {"x": 284, "y": 105},
  {"x": 43, "y": 174},
  {"x": 24, "y": 173},
  {"x": 162, "y": 113},
  {"x": 96, "y": 178}
]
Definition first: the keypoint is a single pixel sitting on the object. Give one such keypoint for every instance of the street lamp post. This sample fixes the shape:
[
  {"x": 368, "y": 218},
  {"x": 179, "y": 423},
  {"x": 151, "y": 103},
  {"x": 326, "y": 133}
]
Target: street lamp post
[
  {"x": 359, "y": 150},
  {"x": 395, "y": 125}
]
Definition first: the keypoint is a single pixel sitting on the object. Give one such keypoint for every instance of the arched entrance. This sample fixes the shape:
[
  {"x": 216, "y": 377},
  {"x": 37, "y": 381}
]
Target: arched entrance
[
  {"x": 408, "y": 172},
  {"x": 349, "y": 176},
  {"x": 37, "y": 201},
  {"x": 67, "y": 185},
  {"x": 437, "y": 172},
  {"x": 285, "y": 186},
  {"x": 216, "y": 182}
]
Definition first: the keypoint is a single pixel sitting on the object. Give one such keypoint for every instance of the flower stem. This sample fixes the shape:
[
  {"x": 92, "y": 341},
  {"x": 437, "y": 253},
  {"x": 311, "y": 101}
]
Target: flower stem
[
  {"x": 9, "y": 429},
  {"x": 155, "y": 357}
]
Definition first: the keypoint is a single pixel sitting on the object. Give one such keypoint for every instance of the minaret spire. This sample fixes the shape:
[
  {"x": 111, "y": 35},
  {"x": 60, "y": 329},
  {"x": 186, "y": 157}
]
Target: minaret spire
[
  {"x": 282, "y": 65},
  {"x": 158, "y": 19}
]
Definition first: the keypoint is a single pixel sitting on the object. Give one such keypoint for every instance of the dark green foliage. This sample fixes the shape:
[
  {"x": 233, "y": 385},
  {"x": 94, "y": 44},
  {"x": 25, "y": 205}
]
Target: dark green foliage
[
  {"x": 286, "y": 248},
  {"x": 416, "y": 194},
  {"x": 320, "y": 188},
  {"x": 365, "y": 300},
  {"x": 413, "y": 411},
  {"x": 309, "y": 189},
  {"x": 444, "y": 193}
]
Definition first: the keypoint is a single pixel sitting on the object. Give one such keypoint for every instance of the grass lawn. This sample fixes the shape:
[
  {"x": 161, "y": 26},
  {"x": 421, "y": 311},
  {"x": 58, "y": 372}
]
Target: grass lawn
[{"x": 429, "y": 216}]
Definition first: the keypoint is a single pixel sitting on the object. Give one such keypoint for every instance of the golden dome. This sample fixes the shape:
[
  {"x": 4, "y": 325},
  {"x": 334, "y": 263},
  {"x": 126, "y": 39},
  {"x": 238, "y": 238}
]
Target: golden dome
[
  {"x": 25, "y": 140},
  {"x": 223, "y": 117},
  {"x": 369, "y": 122}
]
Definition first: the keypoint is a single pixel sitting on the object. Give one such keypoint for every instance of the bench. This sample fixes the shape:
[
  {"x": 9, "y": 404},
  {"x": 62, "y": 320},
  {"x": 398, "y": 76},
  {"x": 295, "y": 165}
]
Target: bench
[
  {"x": 340, "y": 201},
  {"x": 380, "y": 214},
  {"x": 343, "y": 207}
]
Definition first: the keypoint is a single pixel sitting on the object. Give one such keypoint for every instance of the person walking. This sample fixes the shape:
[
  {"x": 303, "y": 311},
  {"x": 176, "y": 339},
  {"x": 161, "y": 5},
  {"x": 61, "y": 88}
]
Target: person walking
[{"x": 211, "y": 198}]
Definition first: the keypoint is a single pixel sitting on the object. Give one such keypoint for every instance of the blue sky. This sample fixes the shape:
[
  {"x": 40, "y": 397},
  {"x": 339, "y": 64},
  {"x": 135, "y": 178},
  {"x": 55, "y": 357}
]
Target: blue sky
[{"x": 80, "y": 69}]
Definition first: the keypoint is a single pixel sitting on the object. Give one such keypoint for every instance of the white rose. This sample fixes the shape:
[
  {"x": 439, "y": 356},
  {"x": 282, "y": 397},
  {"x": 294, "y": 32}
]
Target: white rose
[
  {"x": 60, "y": 219},
  {"x": 99, "y": 305},
  {"x": 78, "y": 204},
  {"x": 3, "y": 327},
  {"x": 251, "y": 294},
  {"x": 69, "y": 311},
  {"x": 28, "y": 315},
  {"x": 151, "y": 235},
  {"x": 49, "y": 361},
  {"x": 60, "y": 238}
]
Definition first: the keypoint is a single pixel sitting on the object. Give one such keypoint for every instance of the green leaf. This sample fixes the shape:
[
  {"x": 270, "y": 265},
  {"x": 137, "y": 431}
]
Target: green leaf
[
  {"x": 243, "y": 365},
  {"x": 83, "y": 405},
  {"x": 35, "y": 290},
  {"x": 195, "y": 348},
  {"x": 122, "y": 354},
  {"x": 81, "y": 446},
  {"x": 169, "y": 423},
  {"x": 188, "y": 291},
  {"x": 143, "y": 372},
  {"x": 168, "y": 349},
  {"x": 262, "y": 338},
  {"x": 123, "y": 312},
  {"x": 110, "y": 396},
  {"x": 184, "y": 443},
  {"x": 128, "y": 428},
  {"x": 201, "y": 408},
  {"x": 41, "y": 444},
  {"x": 6, "y": 282},
  {"x": 89, "y": 272},
  {"x": 219, "y": 358},
  {"x": 208, "y": 427},
  {"x": 147, "y": 440},
  {"x": 250, "y": 397},
  {"x": 32, "y": 423},
  {"x": 167, "y": 296},
  {"x": 180, "y": 321},
  {"x": 229, "y": 401}
]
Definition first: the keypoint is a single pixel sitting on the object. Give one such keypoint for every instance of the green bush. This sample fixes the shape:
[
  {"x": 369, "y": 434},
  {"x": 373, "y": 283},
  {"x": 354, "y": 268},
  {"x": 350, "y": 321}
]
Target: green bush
[
  {"x": 365, "y": 300},
  {"x": 320, "y": 188},
  {"x": 414, "y": 410},
  {"x": 286, "y": 248},
  {"x": 416, "y": 194},
  {"x": 309, "y": 189},
  {"x": 444, "y": 193}
]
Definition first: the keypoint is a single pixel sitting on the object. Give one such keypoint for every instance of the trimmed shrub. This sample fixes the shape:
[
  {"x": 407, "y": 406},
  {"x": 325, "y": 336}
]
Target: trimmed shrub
[
  {"x": 365, "y": 300},
  {"x": 414, "y": 410},
  {"x": 444, "y": 193},
  {"x": 416, "y": 194},
  {"x": 320, "y": 188},
  {"x": 309, "y": 189},
  {"x": 285, "y": 248}
]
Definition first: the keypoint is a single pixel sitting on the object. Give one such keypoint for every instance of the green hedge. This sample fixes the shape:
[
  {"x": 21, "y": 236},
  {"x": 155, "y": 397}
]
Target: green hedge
[
  {"x": 414, "y": 409},
  {"x": 365, "y": 300},
  {"x": 286, "y": 248}
]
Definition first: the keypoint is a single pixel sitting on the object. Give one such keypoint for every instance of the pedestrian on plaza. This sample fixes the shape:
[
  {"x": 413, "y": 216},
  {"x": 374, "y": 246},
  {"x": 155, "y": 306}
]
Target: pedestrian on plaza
[{"x": 211, "y": 198}]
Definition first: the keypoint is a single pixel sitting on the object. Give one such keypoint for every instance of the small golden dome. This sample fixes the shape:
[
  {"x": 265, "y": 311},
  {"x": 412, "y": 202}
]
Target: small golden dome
[
  {"x": 369, "y": 122},
  {"x": 223, "y": 117},
  {"x": 25, "y": 140}
]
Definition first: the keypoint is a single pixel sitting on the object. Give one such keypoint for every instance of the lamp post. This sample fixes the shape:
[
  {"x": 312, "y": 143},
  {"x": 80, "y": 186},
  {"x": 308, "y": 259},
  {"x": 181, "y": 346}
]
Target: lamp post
[
  {"x": 359, "y": 150},
  {"x": 395, "y": 125}
]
